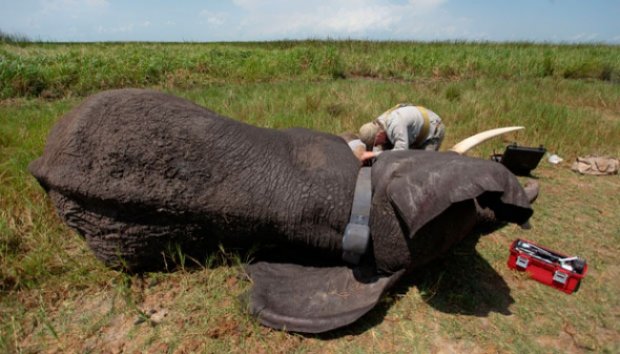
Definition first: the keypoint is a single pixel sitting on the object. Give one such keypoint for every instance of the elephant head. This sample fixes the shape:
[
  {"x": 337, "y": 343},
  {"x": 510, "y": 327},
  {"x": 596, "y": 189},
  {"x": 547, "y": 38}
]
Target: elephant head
[{"x": 136, "y": 171}]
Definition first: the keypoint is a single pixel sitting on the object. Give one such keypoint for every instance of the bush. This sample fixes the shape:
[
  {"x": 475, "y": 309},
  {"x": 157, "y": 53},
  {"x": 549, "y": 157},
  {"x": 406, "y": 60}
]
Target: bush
[{"x": 590, "y": 70}]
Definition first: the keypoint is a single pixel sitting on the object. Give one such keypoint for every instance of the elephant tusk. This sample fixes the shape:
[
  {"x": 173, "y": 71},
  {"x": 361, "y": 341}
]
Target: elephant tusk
[{"x": 467, "y": 144}]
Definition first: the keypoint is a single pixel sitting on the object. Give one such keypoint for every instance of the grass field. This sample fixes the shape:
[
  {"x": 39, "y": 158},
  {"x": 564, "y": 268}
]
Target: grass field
[{"x": 56, "y": 297}]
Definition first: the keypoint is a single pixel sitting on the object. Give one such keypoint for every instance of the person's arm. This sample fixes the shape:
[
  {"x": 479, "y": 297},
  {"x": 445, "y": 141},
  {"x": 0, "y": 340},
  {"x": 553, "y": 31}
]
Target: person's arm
[{"x": 398, "y": 134}]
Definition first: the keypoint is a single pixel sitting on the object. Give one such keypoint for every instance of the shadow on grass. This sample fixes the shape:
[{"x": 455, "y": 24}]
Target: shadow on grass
[{"x": 462, "y": 282}]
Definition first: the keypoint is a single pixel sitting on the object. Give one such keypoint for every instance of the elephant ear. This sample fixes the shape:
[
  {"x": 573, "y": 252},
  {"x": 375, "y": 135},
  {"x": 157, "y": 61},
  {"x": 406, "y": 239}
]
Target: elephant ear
[
  {"x": 307, "y": 299},
  {"x": 423, "y": 184}
]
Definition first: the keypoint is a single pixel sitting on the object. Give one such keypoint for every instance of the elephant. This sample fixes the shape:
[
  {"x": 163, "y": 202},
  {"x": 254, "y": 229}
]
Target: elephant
[{"x": 135, "y": 171}]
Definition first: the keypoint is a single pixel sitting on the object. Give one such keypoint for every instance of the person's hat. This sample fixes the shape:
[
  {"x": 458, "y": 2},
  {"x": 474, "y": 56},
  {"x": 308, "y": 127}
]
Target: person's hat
[{"x": 368, "y": 133}]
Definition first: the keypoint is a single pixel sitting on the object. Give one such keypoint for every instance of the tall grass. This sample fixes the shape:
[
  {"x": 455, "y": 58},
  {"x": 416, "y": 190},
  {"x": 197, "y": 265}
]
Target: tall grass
[
  {"x": 56, "y": 70},
  {"x": 569, "y": 117},
  {"x": 14, "y": 38}
]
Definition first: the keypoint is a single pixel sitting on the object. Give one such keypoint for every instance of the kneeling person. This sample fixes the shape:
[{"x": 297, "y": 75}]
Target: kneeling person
[{"x": 403, "y": 127}]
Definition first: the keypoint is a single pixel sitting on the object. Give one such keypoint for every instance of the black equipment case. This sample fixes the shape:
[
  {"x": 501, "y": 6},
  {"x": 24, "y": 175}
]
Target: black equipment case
[{"x": 520, "y": 160}]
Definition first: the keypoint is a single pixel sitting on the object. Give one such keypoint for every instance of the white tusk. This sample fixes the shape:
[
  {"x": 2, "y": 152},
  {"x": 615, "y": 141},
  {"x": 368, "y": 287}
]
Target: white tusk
[{"x": 467, "y": 144}]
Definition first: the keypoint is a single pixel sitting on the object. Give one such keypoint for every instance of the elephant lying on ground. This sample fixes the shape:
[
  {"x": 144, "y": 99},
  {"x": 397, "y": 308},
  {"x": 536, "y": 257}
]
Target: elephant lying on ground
[{"x": 136, "y": 172}]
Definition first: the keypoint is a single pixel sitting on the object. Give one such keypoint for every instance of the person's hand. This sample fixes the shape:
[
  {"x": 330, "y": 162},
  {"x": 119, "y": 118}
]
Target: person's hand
[{"x": 367, "y": 155}]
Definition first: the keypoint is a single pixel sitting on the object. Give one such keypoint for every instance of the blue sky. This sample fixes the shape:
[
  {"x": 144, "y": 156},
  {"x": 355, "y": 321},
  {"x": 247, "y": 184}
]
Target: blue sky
[{"x": 557, "y": 21}]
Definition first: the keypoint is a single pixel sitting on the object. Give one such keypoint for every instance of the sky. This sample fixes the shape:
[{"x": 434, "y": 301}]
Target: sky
[{"x": 545, "y": 21}]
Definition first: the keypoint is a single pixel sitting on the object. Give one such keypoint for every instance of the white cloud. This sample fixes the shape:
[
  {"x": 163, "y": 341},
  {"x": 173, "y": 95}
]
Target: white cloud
[
  {"x": 426, "y": 5},
  {"x": 118, "y": 29},
  {"x": 356, "y": 20},
  {"x": 246, "y": 4},
  {"x": 123, "y": 28},
  {"x": 339, "y": 18},
  {"x": 213, "y": 18},
  {"x": 584, "y": 37}
]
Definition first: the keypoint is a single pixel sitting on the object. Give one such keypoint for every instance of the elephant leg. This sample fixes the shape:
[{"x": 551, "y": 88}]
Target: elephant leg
[{"x": 124, "y": 241}]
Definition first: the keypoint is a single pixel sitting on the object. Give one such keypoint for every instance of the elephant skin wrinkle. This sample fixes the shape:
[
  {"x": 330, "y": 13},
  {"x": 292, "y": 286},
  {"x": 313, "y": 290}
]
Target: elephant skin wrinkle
[
  {"x": 140, "y": 174},
  {"x": 128, "y": 159}
]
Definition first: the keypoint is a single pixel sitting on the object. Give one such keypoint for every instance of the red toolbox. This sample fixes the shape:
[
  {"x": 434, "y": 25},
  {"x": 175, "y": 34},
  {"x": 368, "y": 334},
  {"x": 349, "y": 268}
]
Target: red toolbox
[{"x": 546, "y": 266}]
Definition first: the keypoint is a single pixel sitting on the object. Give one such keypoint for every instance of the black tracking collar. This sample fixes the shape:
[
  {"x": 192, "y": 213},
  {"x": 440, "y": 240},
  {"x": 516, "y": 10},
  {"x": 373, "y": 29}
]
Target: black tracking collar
[{"x": 357, "y": 233}]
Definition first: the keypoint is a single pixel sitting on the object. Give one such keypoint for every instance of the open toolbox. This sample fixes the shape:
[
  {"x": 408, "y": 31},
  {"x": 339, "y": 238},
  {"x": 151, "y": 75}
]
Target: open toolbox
[
  {"x": 546, "y": 266},
  {"x": 520, "y": 160}
]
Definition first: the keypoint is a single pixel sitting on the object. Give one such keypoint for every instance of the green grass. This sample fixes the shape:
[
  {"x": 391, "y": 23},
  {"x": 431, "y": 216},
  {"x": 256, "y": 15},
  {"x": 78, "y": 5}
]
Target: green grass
[
  {"x": 56, "y": 70},
  {"x": 55, "y": 296}
]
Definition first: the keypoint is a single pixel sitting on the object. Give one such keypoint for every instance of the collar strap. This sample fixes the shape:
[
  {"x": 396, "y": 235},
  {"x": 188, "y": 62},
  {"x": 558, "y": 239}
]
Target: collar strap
[{"x": 357, "y": 233}]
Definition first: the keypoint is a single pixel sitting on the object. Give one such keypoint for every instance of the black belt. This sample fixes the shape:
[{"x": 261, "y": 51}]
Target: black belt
[{"x": 357, "y": 233}]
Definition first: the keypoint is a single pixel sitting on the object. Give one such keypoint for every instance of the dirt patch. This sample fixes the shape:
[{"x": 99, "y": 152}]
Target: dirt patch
[{"x": 562, "y": 342}]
